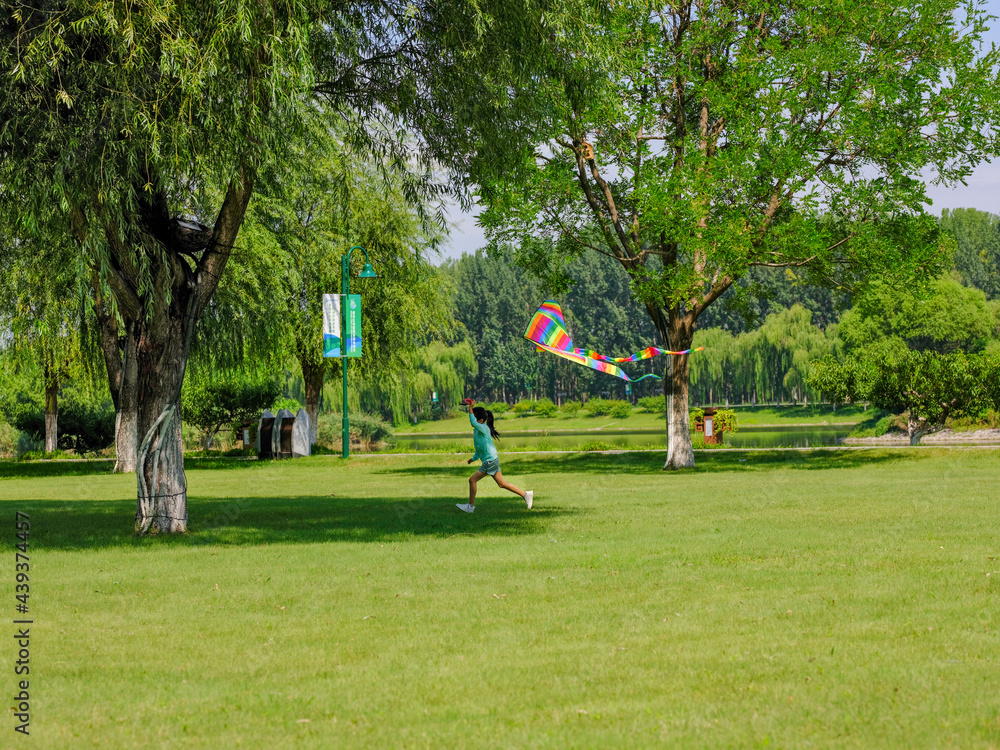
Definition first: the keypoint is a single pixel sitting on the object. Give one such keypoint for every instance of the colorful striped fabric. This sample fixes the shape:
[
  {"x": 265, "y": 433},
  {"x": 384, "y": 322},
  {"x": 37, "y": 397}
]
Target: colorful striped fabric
[{"x": 547, "y": 330}]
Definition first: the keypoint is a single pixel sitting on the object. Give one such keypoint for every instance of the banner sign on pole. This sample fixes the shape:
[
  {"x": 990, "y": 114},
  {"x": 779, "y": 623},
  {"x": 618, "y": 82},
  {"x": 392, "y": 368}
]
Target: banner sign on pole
[
  {"x": 352, "y": 335},
  {"x": 331, "y": 325}
]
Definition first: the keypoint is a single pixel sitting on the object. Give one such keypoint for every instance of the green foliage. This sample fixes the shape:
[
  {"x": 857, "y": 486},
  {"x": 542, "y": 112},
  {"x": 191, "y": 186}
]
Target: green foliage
[
  {"x": 438, "y": 368},
  {"x": 770, "y": 363},
  {"x": 653, "y": 404},
  {"x": 498, "y": 407},
  {"x": 493, "y": 300},
  {"x": 695, "y": 414},
  {"x": 725, "y": 420},
  {"x": 213, "y": 404},
  {"x": 945, "y": 317},
  {"x": 889, "y": 423},
  {"x": 600, "y": 407},
  {"x": 930, "y": 387},
  {"x": 571, "y": 408},
  {"x": 524, "y": 407},
  {"x": 544, "y": 407},
  {"x": 283, "y": 402},
  {"x": 85, "y": 424},
  {"x": 313, "y": 210},
  {"x": 49, "y": 456},
  {"x": 877, "y": 423},
  {"x": 977, "y": 252},
  {"x": 598, "y": 445},
  {"x": 620, "y": 409},
  {"x": 763, "y": 291},
  {"x": 367, "y": 429},
  {"x": 8, "y": 439}
]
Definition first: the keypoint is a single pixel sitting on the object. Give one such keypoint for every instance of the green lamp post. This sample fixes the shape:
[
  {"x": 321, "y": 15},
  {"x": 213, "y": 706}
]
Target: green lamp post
[{"x": 345, "y": 287}]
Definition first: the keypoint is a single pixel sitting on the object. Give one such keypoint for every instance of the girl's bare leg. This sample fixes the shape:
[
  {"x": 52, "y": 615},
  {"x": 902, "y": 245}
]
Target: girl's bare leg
[
  {"x": 472, "y": 485},
  {"x": 503, "y": 483}
]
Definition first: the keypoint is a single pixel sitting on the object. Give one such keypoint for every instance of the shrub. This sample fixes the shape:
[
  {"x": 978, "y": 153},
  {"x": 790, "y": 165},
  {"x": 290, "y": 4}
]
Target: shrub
[
  {"x": 598, "y": 445},
  {"x": 41, "y": 455},
  {"x": 370, "y": 429},
  {"x": 597, "y": 407},
  {"x": 571, "y": 408},
  {"x": 498, "y": 407},
  {"x": 213, "y": 406},
  {"x": 621, "y": 409},
  {"x": 83, "y": 425},
  {"x": 694, "y": 414},
  {"x": 328, "y": 428},
  {"x": 367, "y": 429},
  {"x": 653, "y": 404},
  {"x": 890, "y": 423},
  {"x": 545, "y": 408},
  {"x": 524, "y": 407},
  {"x": 725, "y": 420},
  {"x": 8, "y": 440},
  {"x": 26, "y": 444},
  {"x": 284, "y": 403}
]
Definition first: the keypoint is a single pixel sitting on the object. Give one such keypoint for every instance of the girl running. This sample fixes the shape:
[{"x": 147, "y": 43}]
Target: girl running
[{"x": 482, "y": 437}]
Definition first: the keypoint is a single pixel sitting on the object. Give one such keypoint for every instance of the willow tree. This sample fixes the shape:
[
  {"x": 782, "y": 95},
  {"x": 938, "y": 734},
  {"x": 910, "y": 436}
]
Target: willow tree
[
  {"x": 118, "y": 114},
  {"x": 695, "y": 140},
  {"x": 314, "y": 208},
  {"x": 43, "y": 311}
]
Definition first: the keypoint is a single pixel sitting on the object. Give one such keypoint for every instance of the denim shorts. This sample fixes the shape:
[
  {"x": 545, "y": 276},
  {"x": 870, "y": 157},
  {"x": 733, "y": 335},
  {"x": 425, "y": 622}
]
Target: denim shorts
[{"x": 490, "y": 467}]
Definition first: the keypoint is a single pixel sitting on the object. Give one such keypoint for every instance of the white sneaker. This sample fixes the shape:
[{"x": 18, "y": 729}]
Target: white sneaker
[
  {"x": 529, "y": 497},
  {"x": 466, "y": 507}
]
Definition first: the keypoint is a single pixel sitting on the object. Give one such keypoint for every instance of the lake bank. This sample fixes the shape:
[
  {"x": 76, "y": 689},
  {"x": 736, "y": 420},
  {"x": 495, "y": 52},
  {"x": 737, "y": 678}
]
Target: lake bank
[{"x": 943, "y": 437}]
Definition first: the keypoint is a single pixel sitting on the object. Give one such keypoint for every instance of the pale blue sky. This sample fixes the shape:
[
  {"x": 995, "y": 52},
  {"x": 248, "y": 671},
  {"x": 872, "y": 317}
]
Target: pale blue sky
[{"x": 982, "y": 191}]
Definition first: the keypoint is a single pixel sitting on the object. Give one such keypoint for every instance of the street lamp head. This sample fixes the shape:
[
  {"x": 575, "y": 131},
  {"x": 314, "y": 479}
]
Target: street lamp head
[{"x": 367, "y": 272}]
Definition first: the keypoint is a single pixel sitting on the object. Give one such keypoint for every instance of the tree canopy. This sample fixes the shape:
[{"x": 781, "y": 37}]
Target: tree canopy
[{"x": 714, "y": 138}]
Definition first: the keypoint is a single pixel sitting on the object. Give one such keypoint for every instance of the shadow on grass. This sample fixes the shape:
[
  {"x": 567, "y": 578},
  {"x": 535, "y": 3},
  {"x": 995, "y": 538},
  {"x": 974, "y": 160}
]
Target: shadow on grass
[
  {"x": 88, "y": 524},
  {"x": 40, "y": 469},
  {"x": 651, "y": 462},
  {"x": 634, "y": 462}
]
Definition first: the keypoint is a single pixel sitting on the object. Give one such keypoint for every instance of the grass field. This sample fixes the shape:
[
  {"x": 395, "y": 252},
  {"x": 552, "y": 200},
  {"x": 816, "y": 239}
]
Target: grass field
[
  {"x": 838, "y": 599},
  {"x": 641, "y": 420}
]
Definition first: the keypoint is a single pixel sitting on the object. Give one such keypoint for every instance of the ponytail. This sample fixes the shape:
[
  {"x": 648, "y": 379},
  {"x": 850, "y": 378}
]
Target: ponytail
[
  {"x": 485, "y": 414},
  {"x": 489, "y": 423}
]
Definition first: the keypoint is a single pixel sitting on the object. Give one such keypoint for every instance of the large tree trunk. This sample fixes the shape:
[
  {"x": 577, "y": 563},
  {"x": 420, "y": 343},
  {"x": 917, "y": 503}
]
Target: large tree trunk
[
  {"x": 162, "y": 292},
  {"x": 51, "y": 410},
  {"x": 162, "y": 344},
  {"x": 313, "y": 376},
  {"x": 680, "y": 452},
  {"x": 126, "y": 416},
  {"x": 121, "y": 368},
  {"x": 916, "y": 428},
  {"x": 677, "y": 331}
]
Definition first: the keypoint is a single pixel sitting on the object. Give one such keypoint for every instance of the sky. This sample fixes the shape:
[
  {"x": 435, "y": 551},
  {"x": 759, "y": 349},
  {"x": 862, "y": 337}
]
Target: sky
[{"x": 982, "y": 191}]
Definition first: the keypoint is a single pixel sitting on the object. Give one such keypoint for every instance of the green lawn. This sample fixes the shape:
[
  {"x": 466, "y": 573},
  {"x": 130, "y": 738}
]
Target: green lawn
[
  {"x": 838, "y": 599},
  {"x": 640, "y": 420}
]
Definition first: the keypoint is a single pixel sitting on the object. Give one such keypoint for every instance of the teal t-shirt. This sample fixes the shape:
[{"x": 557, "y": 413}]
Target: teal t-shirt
[{"x": 481, "y": 438}]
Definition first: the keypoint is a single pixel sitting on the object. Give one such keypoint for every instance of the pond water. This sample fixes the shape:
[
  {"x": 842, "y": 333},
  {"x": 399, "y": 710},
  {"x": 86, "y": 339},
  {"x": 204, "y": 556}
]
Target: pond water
[{"x": 793, "y": 436}]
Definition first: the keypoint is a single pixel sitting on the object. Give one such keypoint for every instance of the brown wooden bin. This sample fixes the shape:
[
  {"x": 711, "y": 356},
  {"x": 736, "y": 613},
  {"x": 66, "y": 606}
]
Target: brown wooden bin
[
  {"x": 286, "y": 437},
  {"x": 266, "y": 428}
]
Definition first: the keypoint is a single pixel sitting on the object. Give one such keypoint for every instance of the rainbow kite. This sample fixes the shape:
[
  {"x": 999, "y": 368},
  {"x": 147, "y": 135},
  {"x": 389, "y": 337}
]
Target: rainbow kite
[{"x": 547, "y": 330}]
